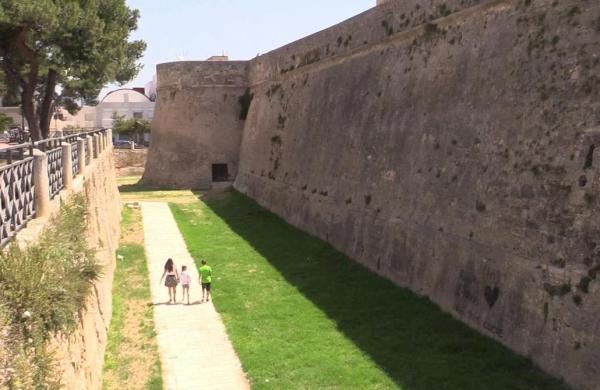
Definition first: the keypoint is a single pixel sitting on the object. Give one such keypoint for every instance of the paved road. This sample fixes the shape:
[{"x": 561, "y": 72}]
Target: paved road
[{"x": 195, "y": 350}]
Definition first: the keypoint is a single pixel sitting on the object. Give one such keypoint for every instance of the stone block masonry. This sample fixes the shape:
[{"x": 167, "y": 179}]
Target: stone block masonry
[
  {"x": 79, "y": 357},
  {"x": 197, "y": 122},
  {"x": 130, "y": 162},
  {"x": 450, "y": 146}
]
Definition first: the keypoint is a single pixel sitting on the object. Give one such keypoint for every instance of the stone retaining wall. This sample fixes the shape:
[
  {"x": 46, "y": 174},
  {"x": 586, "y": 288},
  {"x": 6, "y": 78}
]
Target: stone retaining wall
[
  {"x": 130, "y": 162},
  {"x": 80, "y": 356}
]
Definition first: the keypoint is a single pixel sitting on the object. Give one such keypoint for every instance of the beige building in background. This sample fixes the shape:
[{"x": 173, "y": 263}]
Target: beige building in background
[{"x": 84, "y": 118}]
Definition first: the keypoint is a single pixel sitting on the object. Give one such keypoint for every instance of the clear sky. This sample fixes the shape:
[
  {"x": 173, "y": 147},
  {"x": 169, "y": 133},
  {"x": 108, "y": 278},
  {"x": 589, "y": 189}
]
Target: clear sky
[{"x": 197, "y": 29}]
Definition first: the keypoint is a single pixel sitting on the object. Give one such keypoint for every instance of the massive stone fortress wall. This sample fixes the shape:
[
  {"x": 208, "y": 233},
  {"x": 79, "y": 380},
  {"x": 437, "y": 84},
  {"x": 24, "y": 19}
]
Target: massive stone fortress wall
[
  {"x": 198, "y": 121},
  {"x": 362, "y": 32},
  {"x": 451, "y": 147}
]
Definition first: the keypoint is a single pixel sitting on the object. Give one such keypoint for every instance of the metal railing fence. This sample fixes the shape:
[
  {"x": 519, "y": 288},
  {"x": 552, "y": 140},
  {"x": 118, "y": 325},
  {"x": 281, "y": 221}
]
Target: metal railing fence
[{"x": 18, "y": 197}]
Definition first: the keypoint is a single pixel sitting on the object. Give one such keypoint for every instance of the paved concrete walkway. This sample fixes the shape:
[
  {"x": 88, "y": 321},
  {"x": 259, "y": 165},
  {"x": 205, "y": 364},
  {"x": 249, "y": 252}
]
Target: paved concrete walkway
[{"x": 195, "y": 350}]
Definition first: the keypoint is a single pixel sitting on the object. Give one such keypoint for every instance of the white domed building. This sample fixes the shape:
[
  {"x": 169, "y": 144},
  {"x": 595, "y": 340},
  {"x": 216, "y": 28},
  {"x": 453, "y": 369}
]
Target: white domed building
[{"x": 125, "y": 102}]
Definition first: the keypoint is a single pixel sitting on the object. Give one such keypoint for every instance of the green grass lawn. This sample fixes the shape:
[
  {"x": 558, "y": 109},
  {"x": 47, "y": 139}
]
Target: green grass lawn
[
  {"x": 303, "y": 316},
  {"x": 131, "y": 360}
]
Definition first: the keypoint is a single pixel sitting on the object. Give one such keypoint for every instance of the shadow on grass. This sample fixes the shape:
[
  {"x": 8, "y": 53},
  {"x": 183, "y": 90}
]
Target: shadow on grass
[
  {"x": 419, "y": 346},
  {"x": 140, "y": 187}
]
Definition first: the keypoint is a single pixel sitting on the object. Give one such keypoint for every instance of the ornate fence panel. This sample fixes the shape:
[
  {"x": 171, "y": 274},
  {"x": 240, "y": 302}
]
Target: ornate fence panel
[
  {"x": 71, "y": 138},
  {"x": 95, "y": 146},
  {"x": 87, "y": 152},
  {"x": 17, "y": 192},
  {"x": 48, "y": 144},
  {"x": 55, "y": 171},
  {"x": 16, "y": 197},
  {"x": 75, "y": 158}
]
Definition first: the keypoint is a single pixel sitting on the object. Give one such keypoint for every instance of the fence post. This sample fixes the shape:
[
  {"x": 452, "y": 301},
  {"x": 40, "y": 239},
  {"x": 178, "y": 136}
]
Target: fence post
[
  {"x": 95, "y": 148},
  {"x": 41, "y": 182},
  {"x": 67, "y": 165},
  {"x": 109, "y": 138},
  {"x": 99, "y": 140},
  {"x": 90, "y": 144},
  {"x": 81, "y": 151}
]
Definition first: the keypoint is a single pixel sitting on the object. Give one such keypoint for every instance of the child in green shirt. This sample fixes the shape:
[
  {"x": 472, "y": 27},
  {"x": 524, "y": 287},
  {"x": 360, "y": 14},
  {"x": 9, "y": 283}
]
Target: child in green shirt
[{"x": 205, "y": 280}]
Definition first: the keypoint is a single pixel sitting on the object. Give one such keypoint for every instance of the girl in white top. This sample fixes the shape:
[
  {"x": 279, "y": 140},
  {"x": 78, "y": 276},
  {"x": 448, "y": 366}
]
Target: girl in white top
[{"x": 186, "y": 280}]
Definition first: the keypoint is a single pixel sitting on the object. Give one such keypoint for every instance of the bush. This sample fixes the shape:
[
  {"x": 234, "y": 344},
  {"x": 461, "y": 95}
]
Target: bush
[
  {"x": 131, "y": 127},
  {"x": 5, "y": 120},
  {"x": 42, "y": 289}
]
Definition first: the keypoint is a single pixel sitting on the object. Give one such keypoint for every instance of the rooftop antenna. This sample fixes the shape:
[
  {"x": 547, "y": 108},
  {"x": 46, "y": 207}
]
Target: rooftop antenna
[{"x": 180, "y": 57}]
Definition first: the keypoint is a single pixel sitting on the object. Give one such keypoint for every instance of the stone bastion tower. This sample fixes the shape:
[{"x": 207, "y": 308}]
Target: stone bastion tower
[{"x": 196, "y": 123}]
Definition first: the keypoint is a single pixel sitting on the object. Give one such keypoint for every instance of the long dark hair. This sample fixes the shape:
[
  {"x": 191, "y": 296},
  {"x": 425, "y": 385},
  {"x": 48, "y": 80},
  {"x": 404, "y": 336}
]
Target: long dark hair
[{"x": 169, "y": 265}]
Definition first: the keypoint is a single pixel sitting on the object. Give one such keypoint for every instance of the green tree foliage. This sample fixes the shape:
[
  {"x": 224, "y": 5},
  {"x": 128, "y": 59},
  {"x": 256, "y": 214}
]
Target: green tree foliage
[
  {"x": 10, "y": 95},
  {"x": 131, "y": 127},
  {"x": 77, "y": 45},
  {"x": 5, "y": 120}
]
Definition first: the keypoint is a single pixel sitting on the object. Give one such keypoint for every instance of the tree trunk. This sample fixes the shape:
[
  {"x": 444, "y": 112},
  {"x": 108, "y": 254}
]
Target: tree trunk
[
  {"x": 34, "y": 128},
  {"x": 46, "y": 106},
  {"x": 30, "y": 115}
]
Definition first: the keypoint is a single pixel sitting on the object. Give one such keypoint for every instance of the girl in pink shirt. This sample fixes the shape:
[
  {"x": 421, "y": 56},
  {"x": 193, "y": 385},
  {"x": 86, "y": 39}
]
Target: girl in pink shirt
[{"x": 186, "y": 280}]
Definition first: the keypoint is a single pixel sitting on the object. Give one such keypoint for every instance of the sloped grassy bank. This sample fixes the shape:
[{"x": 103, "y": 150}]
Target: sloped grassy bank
[{"x": 43, "y": 290}]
